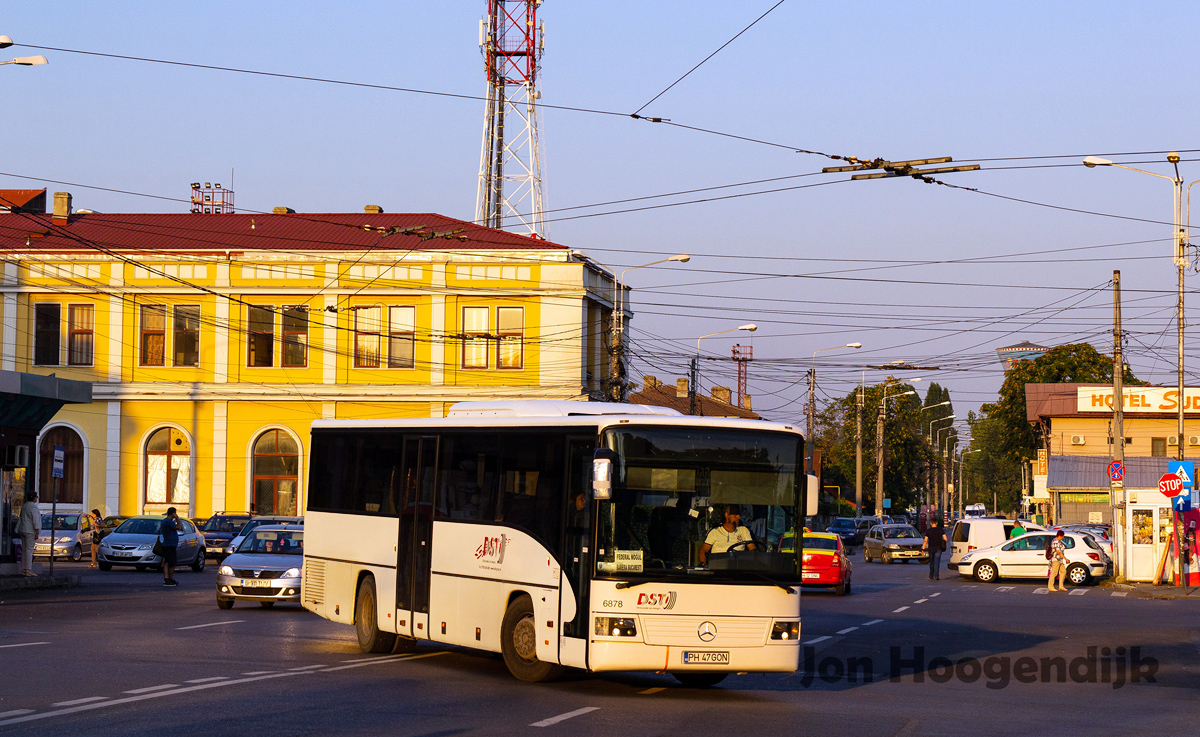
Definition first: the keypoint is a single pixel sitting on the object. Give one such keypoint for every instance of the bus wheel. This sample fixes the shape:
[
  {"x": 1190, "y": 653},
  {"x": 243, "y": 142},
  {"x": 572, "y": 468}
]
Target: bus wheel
[
  {"x": 699, "y": 680},
  {"x": 366, "y": 620},
  {"x": 518, "y": 644}
]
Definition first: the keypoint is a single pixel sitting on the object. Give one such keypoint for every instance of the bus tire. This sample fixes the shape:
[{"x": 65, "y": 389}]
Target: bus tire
[
  {"x": 366, "y": 620},
  {"x": 518, "y": 644},
  {"x": 699, "y": 680}
]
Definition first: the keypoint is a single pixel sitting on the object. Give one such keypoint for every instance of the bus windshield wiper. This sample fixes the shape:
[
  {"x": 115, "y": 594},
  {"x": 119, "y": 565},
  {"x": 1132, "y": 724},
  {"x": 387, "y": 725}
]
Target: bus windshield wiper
[{"x": 772, "y": 581}]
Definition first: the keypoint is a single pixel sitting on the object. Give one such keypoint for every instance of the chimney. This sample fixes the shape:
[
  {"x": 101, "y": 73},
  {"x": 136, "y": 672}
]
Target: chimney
[
  {"x": 62, "y": 206},
  {"x": 650, "y": 383},
  {"x": 681, "y": 387},
  {"x": 746, "y": 403},
  {"x": 373, "y": 209},
  {"x": 722, "y": 394},
  {"x": 282, "y": 210}
]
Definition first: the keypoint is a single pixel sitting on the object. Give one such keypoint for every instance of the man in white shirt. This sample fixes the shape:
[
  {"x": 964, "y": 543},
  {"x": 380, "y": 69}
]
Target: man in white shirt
[
  {"x": 29, "y": 527},
  {"x": 731, "y": 533}
]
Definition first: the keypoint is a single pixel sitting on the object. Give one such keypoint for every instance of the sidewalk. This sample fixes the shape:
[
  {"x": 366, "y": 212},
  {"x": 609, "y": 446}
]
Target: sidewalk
[
  {"x": 1159, "y": 592},
  {"x": 16, "y": 583}
]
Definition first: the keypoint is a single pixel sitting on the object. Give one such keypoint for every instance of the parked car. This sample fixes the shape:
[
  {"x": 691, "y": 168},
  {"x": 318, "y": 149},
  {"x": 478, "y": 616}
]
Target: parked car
[
  {"x": 72, "y": 536},
  {"x": 893, "y": 542},
  {"x": 267, "y": 567},
  {"x": 1098, "y": 534},
  {"x": 896, "y": 519},
  {"x": 976, "y": 533},
  {"x": 199, "y": 521},
  {"x": 825, "y": 562},
  {"x": 220, "y": 529},
  {"x": 110, "y": 523},
  {"x": 269, "y": 519},
  {"x": 845, "y": 528},
  {"x": 132, "y": 544},
  {"x": 1025, "y": 557}
]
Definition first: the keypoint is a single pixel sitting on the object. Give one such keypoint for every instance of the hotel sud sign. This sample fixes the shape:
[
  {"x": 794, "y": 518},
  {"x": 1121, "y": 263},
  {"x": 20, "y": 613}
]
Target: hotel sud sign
[{"x": 1143, "y": 399}]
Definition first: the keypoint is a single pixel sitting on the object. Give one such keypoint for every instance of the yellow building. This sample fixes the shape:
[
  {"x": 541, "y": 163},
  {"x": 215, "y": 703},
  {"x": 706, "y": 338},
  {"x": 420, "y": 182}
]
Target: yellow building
[{"x": 214, "y": 340}]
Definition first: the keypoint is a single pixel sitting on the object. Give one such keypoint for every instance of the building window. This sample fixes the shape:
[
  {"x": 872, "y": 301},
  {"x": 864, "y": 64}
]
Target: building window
[
  {"x": 47, "y": 326},
  {"x": 1158, "y": 447},
  {"x": 168, "y": 467},
  {"x": 154, "y": 335},
  {"x": 187, "y": 335},
  {"x": 401, "y": 337},
  {"x": 276, "y": 470},
  {"x": 510, "y": 329},
  {"x": 70, "y": 487},
  {"x": 367, "y": 326},
  {"x": 295, "y": 336},
  {"x": 81, "y": 321},
  {"x": 260, "y": 337},
  {"x": 475, "y": 337}
]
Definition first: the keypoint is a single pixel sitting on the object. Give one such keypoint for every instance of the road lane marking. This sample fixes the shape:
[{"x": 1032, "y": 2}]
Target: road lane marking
[
  {"x": 25, "y": 644},
  {"x": 816, "y": 640},
  {"x": 208, "y": 680},
  {"x": 1005, "y": 588},
  {"x": 564, "y": 717},
  {"x": 259, "y": 672},
  {"x": 148, "y": 689},
  {"x": 15, "y": 713},
  {"x": 649, "y": 691},
  {"x": 211, "y": 624},
  {"x": 373, "y": 661},
  {"x": 74, "y": 702},
  {"x": 936, "y": 593},
  {"x": 897, "y": 611},
  {"x": 1077, "y": 592},
  {"x": 873, "y": 621},
  {"x": 307, "y": 667},
  {"x": 920, "y": 601},
  {"x": 848, "y": 629},
  {"x": 1119, "y": 593},
  {"x": 1042, "y": 590}
]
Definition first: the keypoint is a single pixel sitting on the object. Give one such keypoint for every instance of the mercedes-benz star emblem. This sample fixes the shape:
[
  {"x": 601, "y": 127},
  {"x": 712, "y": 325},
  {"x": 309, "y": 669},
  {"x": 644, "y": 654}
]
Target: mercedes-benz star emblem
[{"x": 707, "y": 631}]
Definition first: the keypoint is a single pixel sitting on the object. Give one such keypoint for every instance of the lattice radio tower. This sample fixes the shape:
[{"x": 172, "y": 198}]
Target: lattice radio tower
[
  {"x": 742, "y": 354},
  {"x": 510, "y": 163}
]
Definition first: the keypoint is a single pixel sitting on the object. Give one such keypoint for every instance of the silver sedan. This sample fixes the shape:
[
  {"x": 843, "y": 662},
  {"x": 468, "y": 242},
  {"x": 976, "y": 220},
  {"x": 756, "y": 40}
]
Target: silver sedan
[
  {"x": 266, "y": 567},
  {"x": 893, "y": 542},
  {"x": 132, "y": 544}
]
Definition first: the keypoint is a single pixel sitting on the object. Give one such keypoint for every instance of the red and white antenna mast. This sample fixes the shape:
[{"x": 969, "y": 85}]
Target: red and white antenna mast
[
  {"x": 742, "y": 354},
  {"x": 510, "y": 164}
]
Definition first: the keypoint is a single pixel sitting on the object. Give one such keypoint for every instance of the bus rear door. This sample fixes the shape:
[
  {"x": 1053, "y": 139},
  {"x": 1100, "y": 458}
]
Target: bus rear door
[{"x": 418, "y": 474}]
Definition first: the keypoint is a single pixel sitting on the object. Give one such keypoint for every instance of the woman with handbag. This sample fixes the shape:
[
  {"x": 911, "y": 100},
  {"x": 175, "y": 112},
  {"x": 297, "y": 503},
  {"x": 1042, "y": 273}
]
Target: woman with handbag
[{"x": 97, "y": 533}]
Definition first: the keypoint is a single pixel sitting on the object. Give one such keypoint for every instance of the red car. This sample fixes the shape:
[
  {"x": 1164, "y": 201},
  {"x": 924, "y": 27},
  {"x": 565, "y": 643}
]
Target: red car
[{"x": 825, "y": 561}]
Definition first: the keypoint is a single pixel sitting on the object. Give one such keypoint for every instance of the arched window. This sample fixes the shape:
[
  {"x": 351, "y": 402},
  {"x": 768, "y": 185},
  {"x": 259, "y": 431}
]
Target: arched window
[
  {"x": 168, "y": 468},
  {"x": 276, "y": 465},
  {"x": 70, "y": 490}
]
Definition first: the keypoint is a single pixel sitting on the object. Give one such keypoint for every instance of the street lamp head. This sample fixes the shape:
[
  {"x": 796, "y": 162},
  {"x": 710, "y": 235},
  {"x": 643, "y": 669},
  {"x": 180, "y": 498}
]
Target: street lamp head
[
  {"x": 5, "y": 42},
  {"x": 854, "y": 345},
  {"x": 682, "y": 258},
  {"x": 750, "y": 326},
  {"x": 1092, "y": 162},
  {"x": 912, "y": 381},
  {"x": 949, "y": 417},
  {"x": 30, "y": 61},
  {"x": 1173, "y": 157}
]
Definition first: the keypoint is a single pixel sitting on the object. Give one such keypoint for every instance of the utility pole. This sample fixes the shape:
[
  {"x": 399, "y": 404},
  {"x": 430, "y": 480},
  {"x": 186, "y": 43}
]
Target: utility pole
[
  {"x": 879, "y": 451},
  {"x": 812, "y": 386},
  {"x": 945, "y": 477},
  {"x": 615, "y": 389},
  {"x": 1117, "y": 487},
  {"x": 858, "y": 451},
  {"x": 693, "y": 379}
]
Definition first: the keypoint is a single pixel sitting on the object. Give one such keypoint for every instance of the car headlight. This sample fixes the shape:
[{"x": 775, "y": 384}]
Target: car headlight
[
  {"x": 63, "y": 539},
  {"x": 966, "y": 558},
  {"x": 291, "y": 573},
  {"x": 225, "y": 570},
  {"x": 145, "y": 546},
  {"x": 893, "y": 547}
]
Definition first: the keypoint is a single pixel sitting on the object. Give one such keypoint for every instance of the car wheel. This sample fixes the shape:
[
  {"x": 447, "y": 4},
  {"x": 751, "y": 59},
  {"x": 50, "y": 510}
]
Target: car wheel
[
  {"x": 76, "y": 553},
  {"x": 985, "y": 571},
  {"x": 1078, "y": 574},
  {"x": 699, "y": 680},
  {"x": 224, "y": 603},
  {"x": 887, "y": 557},
  {"x": 518, "y": 644},
  {"x": 366, "y": 621},
  {"x": 105, "y": 566},
  {"x": 198, "y": 564},
  {"x": 866, "y": 555}
]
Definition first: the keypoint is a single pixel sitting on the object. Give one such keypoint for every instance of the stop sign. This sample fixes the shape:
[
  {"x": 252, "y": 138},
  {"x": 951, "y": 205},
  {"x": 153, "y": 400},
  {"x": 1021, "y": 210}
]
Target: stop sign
[{"x": 1170, "y": 484}]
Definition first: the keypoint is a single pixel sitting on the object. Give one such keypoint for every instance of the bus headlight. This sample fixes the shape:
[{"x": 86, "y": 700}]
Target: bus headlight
[
  {"x": 616, "y": 627},
  {"x": 785, "y": 631}
]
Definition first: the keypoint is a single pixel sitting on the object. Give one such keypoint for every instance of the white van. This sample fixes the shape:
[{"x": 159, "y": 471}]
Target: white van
[{"x": 977, "y": 533}]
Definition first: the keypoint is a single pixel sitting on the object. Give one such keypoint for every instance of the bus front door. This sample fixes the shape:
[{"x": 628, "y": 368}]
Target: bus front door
[
  {"x": 418, "y": 474},
  {"x": 576, "y": 552}
]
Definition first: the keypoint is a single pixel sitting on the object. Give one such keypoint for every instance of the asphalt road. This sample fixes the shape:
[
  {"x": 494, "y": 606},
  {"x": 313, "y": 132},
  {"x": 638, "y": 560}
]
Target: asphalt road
[{"x": 123, "y": 656}]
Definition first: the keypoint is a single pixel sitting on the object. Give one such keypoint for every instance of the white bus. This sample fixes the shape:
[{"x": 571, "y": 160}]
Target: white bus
[{"x": 487, "y": 529}]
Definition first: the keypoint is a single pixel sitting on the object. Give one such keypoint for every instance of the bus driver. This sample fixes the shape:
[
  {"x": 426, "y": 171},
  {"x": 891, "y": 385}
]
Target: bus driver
[{"x": 721, "y": 539}]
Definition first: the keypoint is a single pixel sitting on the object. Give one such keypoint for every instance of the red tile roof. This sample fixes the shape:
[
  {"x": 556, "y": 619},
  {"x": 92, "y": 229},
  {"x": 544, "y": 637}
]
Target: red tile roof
[
  {"x": 175, "y": 232},
  {"x": 665, "y": 395}
]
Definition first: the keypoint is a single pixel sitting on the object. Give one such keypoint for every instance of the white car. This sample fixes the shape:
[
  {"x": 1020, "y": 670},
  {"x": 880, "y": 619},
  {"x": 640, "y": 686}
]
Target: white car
[{"x": 1025, "y": 557}]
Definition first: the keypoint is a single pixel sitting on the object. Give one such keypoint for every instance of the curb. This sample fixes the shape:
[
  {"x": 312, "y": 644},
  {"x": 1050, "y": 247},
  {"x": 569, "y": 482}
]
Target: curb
[{"x": 18, "y": 583}]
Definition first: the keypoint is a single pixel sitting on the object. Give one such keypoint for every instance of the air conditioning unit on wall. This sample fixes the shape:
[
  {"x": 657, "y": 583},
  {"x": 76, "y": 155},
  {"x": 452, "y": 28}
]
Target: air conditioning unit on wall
[
  {"x": 1078, "y": 440},
  {"x": 1193, "y": 439},
  {"x": 1172, "y": 440}
]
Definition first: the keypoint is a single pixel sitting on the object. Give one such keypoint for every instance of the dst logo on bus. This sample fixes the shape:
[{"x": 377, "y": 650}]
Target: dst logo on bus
[
  {"x": 656, "y": 601},
  {"x": 492, "y": 549}
]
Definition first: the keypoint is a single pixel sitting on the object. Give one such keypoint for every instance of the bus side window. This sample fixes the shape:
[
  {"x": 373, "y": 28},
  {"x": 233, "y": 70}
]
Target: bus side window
[
  {"x": 532, "y": 471},
  {"x": 468, "y": 477}
]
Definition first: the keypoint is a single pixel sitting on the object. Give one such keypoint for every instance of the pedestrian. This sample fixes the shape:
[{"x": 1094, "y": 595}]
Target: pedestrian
[
  {"x": 97, "y": 533},
  {"x": 1017, "y": 530},
  {"x": 169, "y": 530},
  {"x": 934, "y": 544},
  {"x": 29, "y": 527},
  {"x": 1057, "y": 553}
]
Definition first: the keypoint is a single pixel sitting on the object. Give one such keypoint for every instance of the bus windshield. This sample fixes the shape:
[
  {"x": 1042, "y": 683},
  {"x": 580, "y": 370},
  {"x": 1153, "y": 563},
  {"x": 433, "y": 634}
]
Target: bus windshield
[{"x": 671, "y": 488}]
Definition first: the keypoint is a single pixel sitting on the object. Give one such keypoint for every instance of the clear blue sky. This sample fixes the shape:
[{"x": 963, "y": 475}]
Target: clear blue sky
[{"x": 894, "y": 80}]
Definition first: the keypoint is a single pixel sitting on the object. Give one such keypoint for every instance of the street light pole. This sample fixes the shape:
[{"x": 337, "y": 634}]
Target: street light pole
[
  {"x": 941, "y": 501},
  {"x": 616, "y": 388},
  {"x": 879, "y": 439},
  {"x": 694, "y": 379},
  {"x": 812, "y": 385}
]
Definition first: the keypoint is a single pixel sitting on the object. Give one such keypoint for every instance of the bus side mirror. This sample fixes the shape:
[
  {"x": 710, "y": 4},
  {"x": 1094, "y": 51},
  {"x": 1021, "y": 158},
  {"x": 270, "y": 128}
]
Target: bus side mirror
[
  {"x": 602, "y": 471},
  {"x": 814, "y": 489}
]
